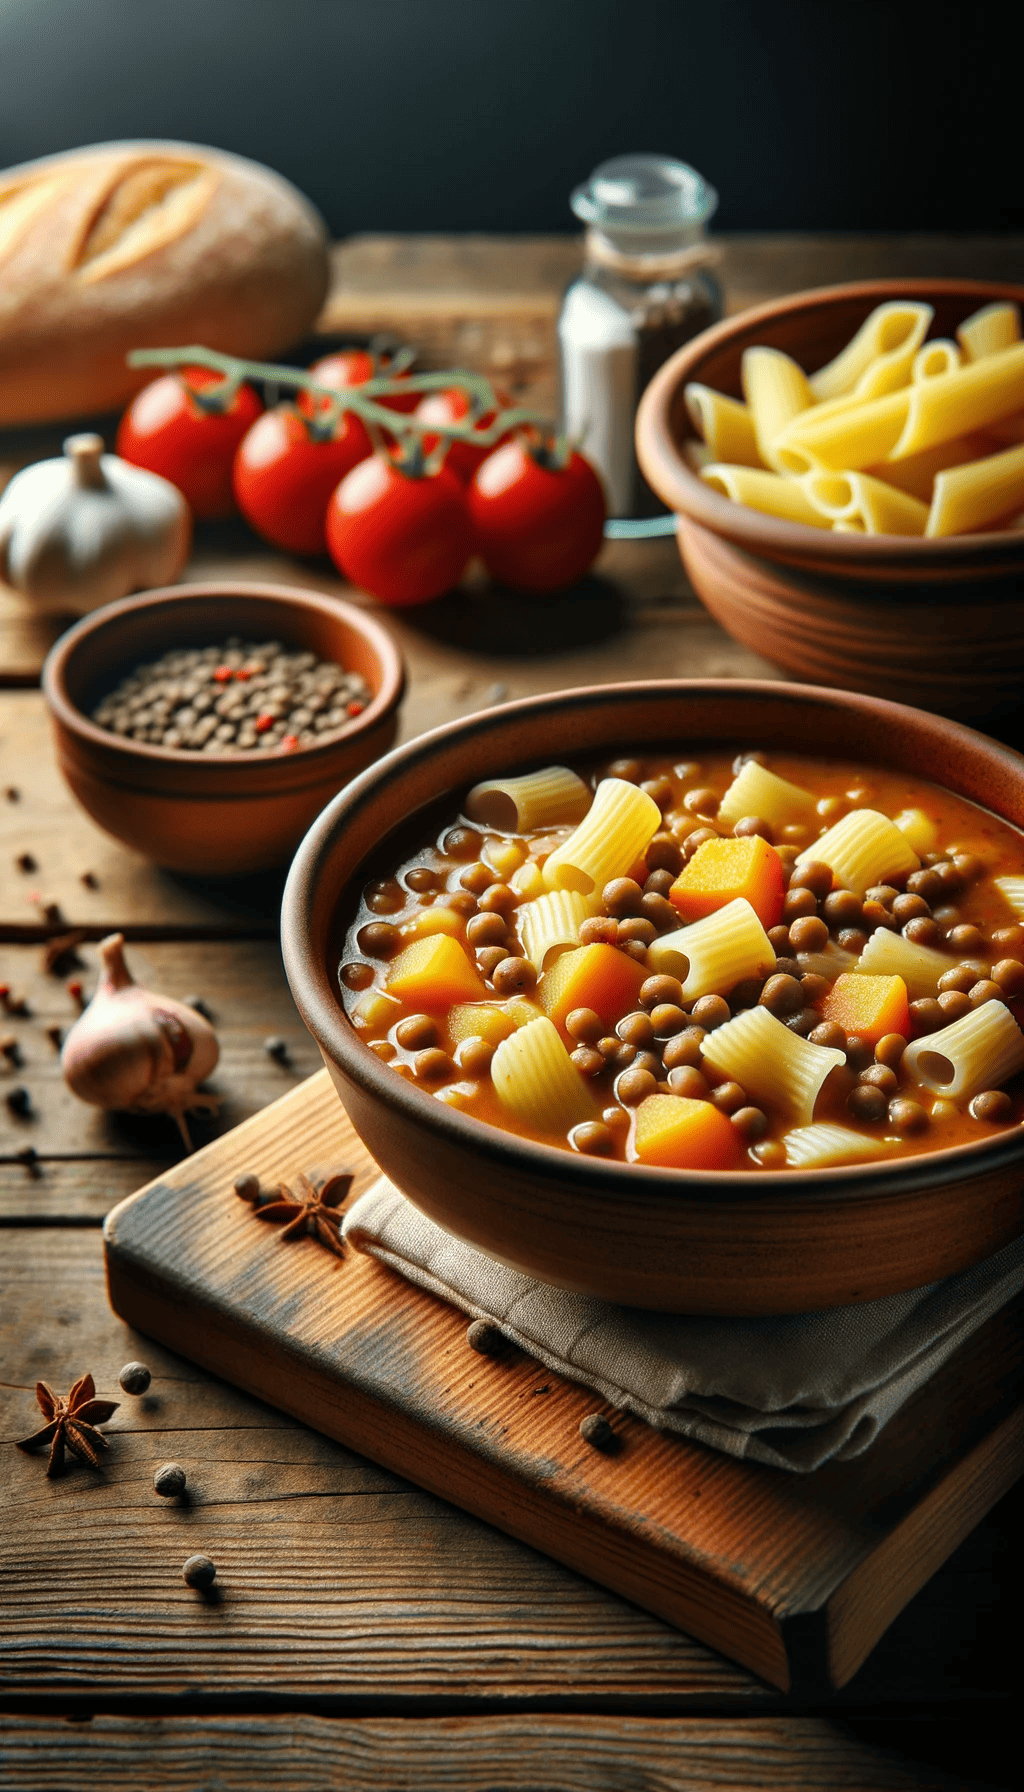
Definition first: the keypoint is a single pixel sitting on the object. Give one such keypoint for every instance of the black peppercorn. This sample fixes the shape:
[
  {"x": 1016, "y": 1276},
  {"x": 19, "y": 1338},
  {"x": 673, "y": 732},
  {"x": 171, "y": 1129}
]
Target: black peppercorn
[
  {"x": 169, "y": 1482},
  {"x": 199, "y": 1572},
  {"x": 596, "y": 1431},
  {"x": 135, "y": 1378},
  {"x": 485, "y": 1337}
]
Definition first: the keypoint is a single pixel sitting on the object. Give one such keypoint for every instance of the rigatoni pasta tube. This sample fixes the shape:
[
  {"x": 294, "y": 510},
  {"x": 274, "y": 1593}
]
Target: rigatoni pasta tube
[
  {"x": 776, "y": 390},
  {"x": 888, "y": 954},
  {"x": 857, "y": 498},
  {"x": 983, "y": 491},
  {"x": 542, "y": 799},
  {"x": 712, "y": 955},
  {"x": 811, "y": 1147},
  {"x": 864, "y": 848},
  {"x": 757, "y": 791},
  {"x": 724, "y": 424},
  {"x": 1012, "y": 891},
  {"x": 550, "y": 922},
  {"x": 979, "y": 1052},
  {"x": 536, "y": 1081},
  {"x": 989, "y": 330},
  {"x": 766, "y": 492},
  {"x": 891, "y": 330},
  {"x": 781, "y": 1072},
  {"x": 621, "y": 823}
]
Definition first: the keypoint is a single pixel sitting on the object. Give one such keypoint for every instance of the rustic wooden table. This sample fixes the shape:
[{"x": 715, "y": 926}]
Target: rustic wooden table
[{"x": 366, "y": 1634}]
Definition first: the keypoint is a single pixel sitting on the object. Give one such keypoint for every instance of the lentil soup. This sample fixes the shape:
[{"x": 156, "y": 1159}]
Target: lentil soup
[{"x": 719, "y": 961}]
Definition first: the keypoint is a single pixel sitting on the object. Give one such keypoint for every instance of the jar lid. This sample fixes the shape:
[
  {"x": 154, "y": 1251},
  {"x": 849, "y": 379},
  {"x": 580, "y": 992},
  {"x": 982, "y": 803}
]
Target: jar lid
[{"x": 646, "y": 196}]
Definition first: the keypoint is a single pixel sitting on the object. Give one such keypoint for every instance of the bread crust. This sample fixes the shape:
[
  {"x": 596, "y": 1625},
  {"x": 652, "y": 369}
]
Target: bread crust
[{"x": 141, "y": 245}]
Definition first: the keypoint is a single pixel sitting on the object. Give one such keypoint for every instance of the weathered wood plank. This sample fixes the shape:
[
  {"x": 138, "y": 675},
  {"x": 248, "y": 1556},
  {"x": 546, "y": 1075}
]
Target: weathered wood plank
[
  {"x": 243, "y": 984},
  {"x": 521, "y": 1754},
  {"x": 342, "y": 1586}
]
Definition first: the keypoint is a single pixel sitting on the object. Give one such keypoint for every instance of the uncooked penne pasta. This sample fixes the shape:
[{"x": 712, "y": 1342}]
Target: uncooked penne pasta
[
  {"x": 982, "y": 492},
  {"x": 712, "y": 955},
  {"x": 981, "y": 1051},
  {"x": 889, "y": 331},
  {"x": 1005, "y": 432},
  {"x": 851, "y": 438},
  {"x": 535, "y": 1079},
  {"x": 989, "y": 330},
  {"x": 542, "y": 799},
  {"x": 954, "y": 403},
  {"x": 863, "y": 848},
  {"x": 776, "y": 390},
  {"x": 551, "y": 924},
  {"x": 809, "y": 1147},
  {"x": 1012, "y": 891},
  {"x": 940, "y": 356},
  {"x": 757, "y": 791},
  {"x": 779, "y": 1070},
  {"x": 879, "y": 509},
  {"x": 621, "y": 822},
  {"x": 723, "y": 424},
  {"x": 767, "y": 492},
  {"x": 916, "y": 474},
  {"x": 888, "y": 954}
]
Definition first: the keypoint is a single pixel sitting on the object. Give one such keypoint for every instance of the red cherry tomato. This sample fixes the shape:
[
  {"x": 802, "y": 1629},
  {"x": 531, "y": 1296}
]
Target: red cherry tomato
[
  {"x": 403, "y": 539},
  {"x": 284, "y": 476},
  {"x": 167, "y": 431},
  {"x": 538, "y": 528},
  {"x": 453, "y": 406},
  {"x": 353, "y": 367}
]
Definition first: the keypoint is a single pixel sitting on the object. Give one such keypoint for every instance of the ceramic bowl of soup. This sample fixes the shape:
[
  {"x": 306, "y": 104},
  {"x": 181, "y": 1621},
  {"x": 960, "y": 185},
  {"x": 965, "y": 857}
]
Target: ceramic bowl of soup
[
  {"x": 740, "y": 1240},
  {"x": 932, "y": 621}
]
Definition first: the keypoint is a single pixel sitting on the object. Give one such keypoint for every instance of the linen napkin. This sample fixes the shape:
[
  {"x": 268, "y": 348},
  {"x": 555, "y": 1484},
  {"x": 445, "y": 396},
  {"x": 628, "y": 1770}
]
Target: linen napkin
[{"x": 794, "y": 1392}]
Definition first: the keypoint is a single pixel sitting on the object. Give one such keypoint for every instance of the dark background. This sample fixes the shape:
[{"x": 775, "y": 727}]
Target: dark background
[{"x": 442, "y": 115}]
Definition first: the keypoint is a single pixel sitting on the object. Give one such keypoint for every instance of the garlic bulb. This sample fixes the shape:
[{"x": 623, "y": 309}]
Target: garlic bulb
[
  {"x": 81, "y": 531},
  {"x": 138, "y": 1052}
]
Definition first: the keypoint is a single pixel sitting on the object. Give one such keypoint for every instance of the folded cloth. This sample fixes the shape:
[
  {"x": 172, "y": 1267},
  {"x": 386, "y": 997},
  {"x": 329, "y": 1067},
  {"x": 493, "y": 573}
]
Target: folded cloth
[{"x": 795, "y": 1391}]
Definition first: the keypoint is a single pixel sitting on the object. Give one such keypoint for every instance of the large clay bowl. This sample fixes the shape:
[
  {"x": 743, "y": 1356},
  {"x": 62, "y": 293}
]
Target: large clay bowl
[
  {"x": 212, "y": 816},
  {"x": 934, "y": 622},
  {"x": 725, "y": 1243}
]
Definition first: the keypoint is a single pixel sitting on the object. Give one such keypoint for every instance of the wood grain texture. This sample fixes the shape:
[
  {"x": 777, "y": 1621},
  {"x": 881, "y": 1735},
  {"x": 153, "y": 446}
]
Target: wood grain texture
[
  {"x": 758, "y": 1569},
  {"x": 519, "y": 1754},
  {"x": 244, "y": 987}
]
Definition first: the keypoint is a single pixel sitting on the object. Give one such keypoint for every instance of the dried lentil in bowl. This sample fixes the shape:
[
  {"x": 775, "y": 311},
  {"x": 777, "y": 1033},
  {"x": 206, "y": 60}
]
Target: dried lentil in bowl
[{"x": 234, "y": 697}]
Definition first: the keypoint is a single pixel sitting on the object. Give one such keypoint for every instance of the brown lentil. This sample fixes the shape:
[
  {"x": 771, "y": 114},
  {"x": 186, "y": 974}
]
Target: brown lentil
[
  {"x": 384, "y": 898},
  {"x": 729, "y": 1097},
  {"x": 858, "y": 1052},
  {"x": 923, "y": 930},
  {"x": 908, "y": 908},
  {"x": 616, "y": 1119},
  {"x": 711, "y": 1011},
  {"x": 234, "y": 697},
  {"x": 813, "y": 987},
  {"x": 462, "y": 843},
  {"x": 634, "y": 1085},
  {"x": 778, "y": 938},
  {"x": 622, "y": 897},
  {"x": 485, "y": 1338},
  {"x": 968, "y": 865},
  {"x": 587, "y": 1060},
  {"x": 803, "y": 1022},
  {"x": 907, "y": 1116},
  {"x": 866, "y": 1102},
  {"x": 583, "y": 1025},
  {"x": 514, "y": 977},
  {"x": 746, "y": 994},
  {"x": 630, "y": 770},
  {"x": 754, "y": 824},
  {"x": 782, "y": 995},
  {"x": 926, "y": 1016},
  {"x": 877, "y": 915},
  {"x": 814, "y": 876},
  {"x": 599, "y": 930},
  {"x": 1008, "y": 973},
  {"x": 422, "y": 878},
  {"x": 702, "y": 801},
  {"x": 965, "y": 938},
  {"x": 667, "y": 1019},
  {"x": 664, "y": 858},
  {"x": 954, "y": 1004},
  {"x": 798, "y": 902},
  {"x": 993, "y": 1105},
  {"x": 660, "y": 791},
  {"x": 829, "y": 1033},
  {"x": 750, "y": 1123},
  {"x": 985, "y": 990},
  {"x": 696, "y": 840},
  {"x": 925, "y": 883},
  {"x": 808, "y": 933},
  {"x": 890, "y": 1049},
  {"x": 498, "y": 899},
  {"x": 416, "y": 1033},
  {"x": 659, "y": 911},
  {"x": 684, "y": 1080},
  {"x": 636, "y": 928},
  {"x": 593, "y": 1138},
  {"x": 683, "y": 1052},
  {"x": 487, "y": 930},
  {"x": 379, "y": 939},
  {"x": 658, "y": 883},
  {"x": 637, "y": 1028},
  {"x": 383, "y": 1049},
  {"x": 433, "y": 1066},
  {"x": 880, "y": 1076},
  {"x": 461, "y": 902},
  {"x": 596, "y": 1431},
  {"x": 656, "y": 991},
  {"x": 478, "y": 877},
  {"x": 488, "y": 959},
  {"x": 959, "y": 976},
  {"x": 769, "y": 1154},
  {"x": 1009, "y": 940},
  {"x": 843, "y": 908},
  {"x": 635, "y": 949}
]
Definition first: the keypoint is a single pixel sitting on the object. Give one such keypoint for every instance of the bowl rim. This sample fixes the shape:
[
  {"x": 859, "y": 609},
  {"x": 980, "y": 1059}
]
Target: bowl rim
[
  {"x": 313, "y": 989},
  {"x": 686, "y": 494},
  {"x": 53, "y": 678}
]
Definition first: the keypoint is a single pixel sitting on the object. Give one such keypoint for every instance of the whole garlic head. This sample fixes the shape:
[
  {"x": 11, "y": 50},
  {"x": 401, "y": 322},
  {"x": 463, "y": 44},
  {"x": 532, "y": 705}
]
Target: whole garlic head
[{"x": 81, "y": 531}]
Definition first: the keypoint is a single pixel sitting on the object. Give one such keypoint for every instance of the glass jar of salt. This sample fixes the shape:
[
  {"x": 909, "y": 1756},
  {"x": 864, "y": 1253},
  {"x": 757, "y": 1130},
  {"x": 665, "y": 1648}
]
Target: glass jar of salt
[{"x": 645, "y": 289}]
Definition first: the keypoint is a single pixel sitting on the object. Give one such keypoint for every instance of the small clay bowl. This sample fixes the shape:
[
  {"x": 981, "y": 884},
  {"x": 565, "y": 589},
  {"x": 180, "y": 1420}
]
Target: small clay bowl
[
  {"x": 213, "y": 815},
  {"x": 938, "y": 623},
  {"x": 685, "y": 1242}
]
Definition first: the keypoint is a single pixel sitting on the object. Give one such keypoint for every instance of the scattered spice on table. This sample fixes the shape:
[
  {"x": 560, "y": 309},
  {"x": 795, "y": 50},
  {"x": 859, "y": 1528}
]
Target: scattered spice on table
[
  {"x": 71, "y": 1422},
  {"x": 305, "y": 1209},
  {"x": 199, "y": 1572},
  {"x": 11, "y": 1003},
  {"x": 61, "y": 953},
  {"x": 135, "y": 1378},
  {"x": 90, "y": 880},
  {"x": 29, "y": 1156},
  {"x": 77, "y": 994},
  {"x": 596, "y": 1431},
  {"x": 25, "y": 862},
  {"x": 237, "y": 697},
  {"x": 485, "y": 1338},
  {"x": 56, "y": 1037},
  {"x": 19, "y": 1101},
  {"x": 11, "y": 1050},
  {"x": 170, "y": 1480},
  {"x": 276, "y": 1048},
  {"x": 199, "y": 1005}
]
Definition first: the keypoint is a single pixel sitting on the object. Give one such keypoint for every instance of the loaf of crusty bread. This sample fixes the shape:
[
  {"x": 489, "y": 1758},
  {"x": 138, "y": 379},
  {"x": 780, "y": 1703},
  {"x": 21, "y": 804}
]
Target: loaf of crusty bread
[{"x": 142, "y": 245}]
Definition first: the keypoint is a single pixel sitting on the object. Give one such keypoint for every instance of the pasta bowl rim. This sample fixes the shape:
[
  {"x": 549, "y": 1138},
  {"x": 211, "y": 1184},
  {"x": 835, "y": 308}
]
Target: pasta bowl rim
[
  {"x": 775, "y": 537},
  {"x": 306, "y": 951},
  {"x": 304, "y": 766}
]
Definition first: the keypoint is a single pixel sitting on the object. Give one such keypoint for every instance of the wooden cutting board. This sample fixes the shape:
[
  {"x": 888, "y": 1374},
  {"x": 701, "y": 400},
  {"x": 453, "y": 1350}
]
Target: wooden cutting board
[{"x": 795, "y": 1576}]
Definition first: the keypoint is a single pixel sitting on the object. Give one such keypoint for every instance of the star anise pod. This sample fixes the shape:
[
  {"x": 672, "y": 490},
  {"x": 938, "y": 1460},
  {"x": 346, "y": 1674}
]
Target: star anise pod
[
  {"x": 71, "y": 1422},
  {"x": 310, "y": 1210}
]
